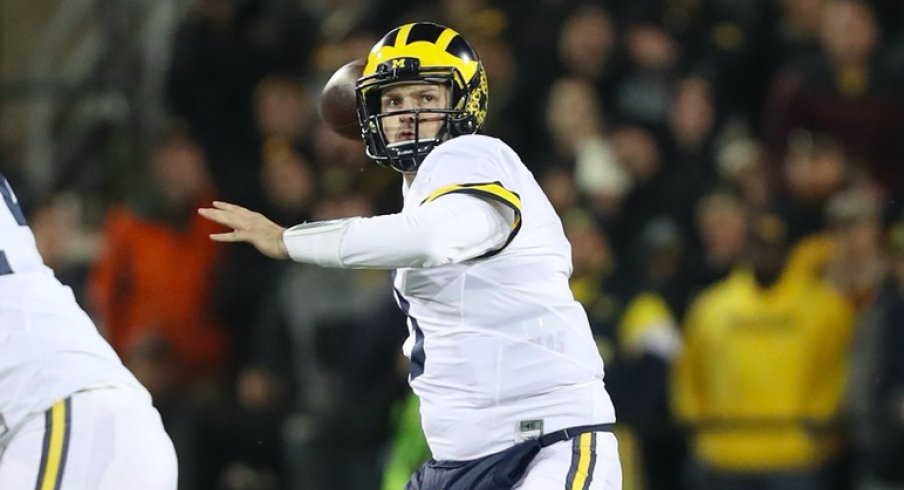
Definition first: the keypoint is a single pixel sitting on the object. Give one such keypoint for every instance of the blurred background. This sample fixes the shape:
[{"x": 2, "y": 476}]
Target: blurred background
[{"x": 729, "y": 172}]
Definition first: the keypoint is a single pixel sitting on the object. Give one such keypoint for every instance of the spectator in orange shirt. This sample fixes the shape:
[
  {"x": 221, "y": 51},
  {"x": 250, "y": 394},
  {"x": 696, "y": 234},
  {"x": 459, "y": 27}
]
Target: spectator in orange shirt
[{"x": 151, "y": 284}]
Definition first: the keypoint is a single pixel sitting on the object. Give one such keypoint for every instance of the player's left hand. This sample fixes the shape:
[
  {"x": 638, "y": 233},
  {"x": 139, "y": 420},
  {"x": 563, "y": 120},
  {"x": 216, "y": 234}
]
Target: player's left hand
[{"x": 247, "y": 226}]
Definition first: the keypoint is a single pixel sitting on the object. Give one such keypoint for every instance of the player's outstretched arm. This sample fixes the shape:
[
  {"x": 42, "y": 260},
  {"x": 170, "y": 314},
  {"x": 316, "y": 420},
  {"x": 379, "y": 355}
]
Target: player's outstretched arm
[{"x": 247, "y": 226}]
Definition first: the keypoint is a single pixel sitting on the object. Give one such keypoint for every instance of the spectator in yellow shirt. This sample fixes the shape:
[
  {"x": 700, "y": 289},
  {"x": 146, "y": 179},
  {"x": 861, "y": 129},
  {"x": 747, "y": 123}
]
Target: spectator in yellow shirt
[{"x": 761, "y": 377}]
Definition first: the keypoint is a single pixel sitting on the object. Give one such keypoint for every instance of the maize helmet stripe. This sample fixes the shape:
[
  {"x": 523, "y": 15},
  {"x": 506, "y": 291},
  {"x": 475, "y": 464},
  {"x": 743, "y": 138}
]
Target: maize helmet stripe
[
  {"x": 402, "y": 37},
  {"x": 442, "y": 42}
]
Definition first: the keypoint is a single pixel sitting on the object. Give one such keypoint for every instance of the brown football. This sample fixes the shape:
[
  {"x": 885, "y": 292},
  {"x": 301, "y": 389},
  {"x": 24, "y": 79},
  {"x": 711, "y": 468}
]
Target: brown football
[{"x": 338, "y": 108}]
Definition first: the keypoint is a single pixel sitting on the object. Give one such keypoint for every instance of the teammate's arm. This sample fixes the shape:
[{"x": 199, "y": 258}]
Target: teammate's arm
[{"x": 448, "y": 230}]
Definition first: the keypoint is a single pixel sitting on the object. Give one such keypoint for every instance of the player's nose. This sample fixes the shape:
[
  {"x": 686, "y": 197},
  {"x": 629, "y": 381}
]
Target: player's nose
[{"x": 406, "y": 117}]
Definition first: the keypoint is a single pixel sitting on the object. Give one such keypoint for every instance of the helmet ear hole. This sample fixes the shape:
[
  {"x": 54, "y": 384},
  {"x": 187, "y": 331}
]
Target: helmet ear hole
[{"x": 463, "y": 126}]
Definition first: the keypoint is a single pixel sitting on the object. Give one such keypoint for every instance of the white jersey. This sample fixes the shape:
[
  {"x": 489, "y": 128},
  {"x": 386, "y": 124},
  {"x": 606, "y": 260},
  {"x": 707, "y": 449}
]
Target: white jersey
[
  {"x": 499, "y": 348},
  {"x": 49, "y": 348}
]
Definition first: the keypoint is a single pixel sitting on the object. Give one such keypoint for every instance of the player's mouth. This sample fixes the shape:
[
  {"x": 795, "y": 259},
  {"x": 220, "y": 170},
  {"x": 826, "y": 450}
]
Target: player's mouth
[{"x": 405, "y": 135}]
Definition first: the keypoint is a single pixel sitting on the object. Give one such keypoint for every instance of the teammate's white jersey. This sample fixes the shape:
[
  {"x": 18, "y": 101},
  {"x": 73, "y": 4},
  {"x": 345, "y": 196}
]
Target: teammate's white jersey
[
  {"x": 49, "y": 348},
  {"x": 499, "y": 348}
]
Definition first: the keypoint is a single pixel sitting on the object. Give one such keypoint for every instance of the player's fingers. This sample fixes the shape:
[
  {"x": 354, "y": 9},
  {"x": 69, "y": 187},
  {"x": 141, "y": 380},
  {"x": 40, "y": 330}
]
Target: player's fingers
[
  {"x": 224, "y": 218},
  {"x": 228, "y": 206},
  {"x": 226, "y": 237}
]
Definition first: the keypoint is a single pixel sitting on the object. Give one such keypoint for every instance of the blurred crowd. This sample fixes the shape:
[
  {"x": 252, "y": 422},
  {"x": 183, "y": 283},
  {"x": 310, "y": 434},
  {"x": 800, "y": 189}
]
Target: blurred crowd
[{"x": 729, "y": 173}]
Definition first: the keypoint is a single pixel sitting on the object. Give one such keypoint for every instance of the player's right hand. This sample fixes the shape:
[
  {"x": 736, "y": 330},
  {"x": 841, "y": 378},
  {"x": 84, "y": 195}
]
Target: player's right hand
[{"x": 247, "y": 226}]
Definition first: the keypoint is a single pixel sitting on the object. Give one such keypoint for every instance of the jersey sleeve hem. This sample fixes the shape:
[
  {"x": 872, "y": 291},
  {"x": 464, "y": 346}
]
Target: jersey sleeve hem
[
  {"x": 490, "y": 190},
  {"x": 317, "y": 242}
]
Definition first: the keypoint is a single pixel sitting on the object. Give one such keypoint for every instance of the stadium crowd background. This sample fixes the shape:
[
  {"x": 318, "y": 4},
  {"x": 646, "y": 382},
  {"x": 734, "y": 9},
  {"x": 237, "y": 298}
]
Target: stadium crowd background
[{"x": 667, "y": 133}]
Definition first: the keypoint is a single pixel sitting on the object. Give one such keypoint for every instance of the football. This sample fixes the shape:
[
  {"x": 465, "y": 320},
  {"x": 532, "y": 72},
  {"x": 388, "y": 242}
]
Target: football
[{"x": 338, "y": 108}]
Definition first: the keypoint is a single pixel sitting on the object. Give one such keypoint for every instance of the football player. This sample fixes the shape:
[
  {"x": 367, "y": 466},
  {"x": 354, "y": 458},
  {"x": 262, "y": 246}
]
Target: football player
[
  {"x": 71, "y": 415},
  {"x": 501, "y": 355}
]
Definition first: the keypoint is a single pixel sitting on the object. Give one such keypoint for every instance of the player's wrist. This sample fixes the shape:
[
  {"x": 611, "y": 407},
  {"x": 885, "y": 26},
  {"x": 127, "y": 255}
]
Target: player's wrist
[{"x": 281, "y": 249}]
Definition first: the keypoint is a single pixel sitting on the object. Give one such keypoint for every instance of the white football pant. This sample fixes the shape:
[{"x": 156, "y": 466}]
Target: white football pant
[
  {"x": 98, "y": 439},
  {"x": 587, "y": 462}
]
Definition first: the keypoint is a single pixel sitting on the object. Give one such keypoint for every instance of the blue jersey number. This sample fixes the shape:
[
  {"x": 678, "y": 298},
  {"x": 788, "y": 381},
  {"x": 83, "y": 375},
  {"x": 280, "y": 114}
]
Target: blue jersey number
[
  {"x": 4, "y": 264},
  {"x": 418, "y": 356},
  {"x": 11, "y": 201}
]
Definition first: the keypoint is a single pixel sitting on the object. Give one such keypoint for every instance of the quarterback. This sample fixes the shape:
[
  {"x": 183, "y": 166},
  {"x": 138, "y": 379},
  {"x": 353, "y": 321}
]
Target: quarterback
[
  {"x": 72, "y": 417},
  {"x": 501, "y": 355}
]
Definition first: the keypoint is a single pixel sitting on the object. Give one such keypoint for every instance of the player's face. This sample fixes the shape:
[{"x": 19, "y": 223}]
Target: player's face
[{"x": 408, "y": 97}]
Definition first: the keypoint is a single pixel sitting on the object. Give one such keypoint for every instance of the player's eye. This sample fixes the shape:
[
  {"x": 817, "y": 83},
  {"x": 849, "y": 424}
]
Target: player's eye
[{"x": 392, "y": 102}]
